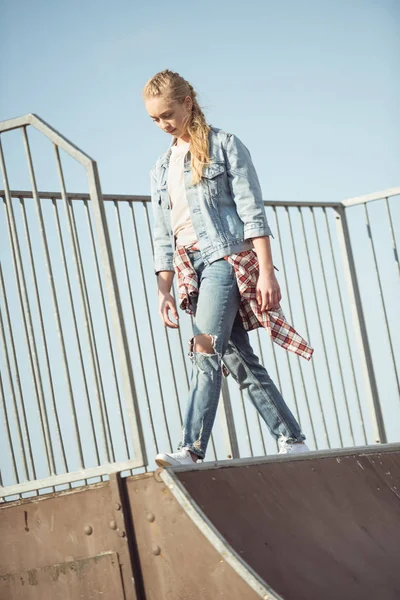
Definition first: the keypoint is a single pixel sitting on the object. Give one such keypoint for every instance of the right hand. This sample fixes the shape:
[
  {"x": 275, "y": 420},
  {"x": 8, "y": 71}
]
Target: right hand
[{"x": 166, "y": 303}]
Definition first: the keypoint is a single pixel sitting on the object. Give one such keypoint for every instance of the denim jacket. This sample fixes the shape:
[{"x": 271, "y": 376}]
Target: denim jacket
[{"x": 226, "y": 206}]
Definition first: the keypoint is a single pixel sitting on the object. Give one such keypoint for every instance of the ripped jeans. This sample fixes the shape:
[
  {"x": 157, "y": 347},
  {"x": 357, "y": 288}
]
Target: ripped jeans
[{"x": 216, "y": 314}]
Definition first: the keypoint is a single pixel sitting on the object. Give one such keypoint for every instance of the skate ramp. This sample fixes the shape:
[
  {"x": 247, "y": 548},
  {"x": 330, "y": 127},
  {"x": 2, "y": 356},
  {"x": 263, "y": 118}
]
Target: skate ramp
[
  {"x": 318, "y": 526},
  {"x": 313, "y": 527}
]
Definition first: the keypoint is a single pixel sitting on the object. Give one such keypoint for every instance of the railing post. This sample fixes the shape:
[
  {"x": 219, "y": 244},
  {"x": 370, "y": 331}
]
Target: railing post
[
  {"x": 357, "y": 312},
  {"x": 228, "y": 424},
  {"x": 111, "y": 282}
]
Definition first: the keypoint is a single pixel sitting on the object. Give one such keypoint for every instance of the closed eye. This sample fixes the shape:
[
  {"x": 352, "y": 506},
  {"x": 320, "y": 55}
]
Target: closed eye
[{"x": 165, "y": 117}]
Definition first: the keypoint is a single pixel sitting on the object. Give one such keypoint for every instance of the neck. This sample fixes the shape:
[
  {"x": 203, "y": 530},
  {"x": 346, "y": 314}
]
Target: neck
[{"x": 182, "y": 139}]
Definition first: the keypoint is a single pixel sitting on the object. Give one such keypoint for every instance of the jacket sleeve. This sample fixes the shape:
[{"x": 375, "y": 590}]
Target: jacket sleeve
[
  {"x": 163, "y": 250},
  {"x": 245, "y": 188}
]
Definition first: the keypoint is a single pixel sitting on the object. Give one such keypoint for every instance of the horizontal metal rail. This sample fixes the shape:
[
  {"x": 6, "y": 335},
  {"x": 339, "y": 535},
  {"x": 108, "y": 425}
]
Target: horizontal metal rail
[
  {"x": 67, "y": 478},
  {"x": 146, "y": 198},
  {"x": 139, "y": 198}
]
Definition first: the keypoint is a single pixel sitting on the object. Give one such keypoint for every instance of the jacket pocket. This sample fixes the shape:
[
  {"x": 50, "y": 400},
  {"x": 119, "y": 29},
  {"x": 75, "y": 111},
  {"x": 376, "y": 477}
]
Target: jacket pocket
[
  {"x": 211, "y": 171},
  {"x": 213, "y": 179}
]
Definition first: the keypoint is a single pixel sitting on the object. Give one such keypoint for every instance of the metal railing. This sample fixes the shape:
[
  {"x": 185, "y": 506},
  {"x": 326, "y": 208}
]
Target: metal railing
[
  {"x": 38, "y": 445},
  {"x": 92, "y": 382}
]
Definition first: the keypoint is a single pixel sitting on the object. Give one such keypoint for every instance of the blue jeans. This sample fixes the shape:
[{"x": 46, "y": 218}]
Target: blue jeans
[{"x": 216, "y": 314}]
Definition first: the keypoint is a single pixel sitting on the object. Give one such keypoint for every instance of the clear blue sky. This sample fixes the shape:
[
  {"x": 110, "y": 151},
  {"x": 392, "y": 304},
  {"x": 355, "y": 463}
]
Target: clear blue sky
[{"x": 312, "y": 87}]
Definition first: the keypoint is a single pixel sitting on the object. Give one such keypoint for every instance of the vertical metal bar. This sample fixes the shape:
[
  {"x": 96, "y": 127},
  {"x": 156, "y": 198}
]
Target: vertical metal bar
[
  {"x": 360, "y": 327},
  {"x": 288, "y": 362},
  {"x": 165, "y": 418},
  {"x": 307, "y": 331},
  {"x": 22, "y": 430},
  {"x": 26, "y": 317},
  {"x": 246, "y": 423},
  {"x": 279, "y": 237},
  {"x": 340, "y": 297},
  {"x": 166, "y": 337},
  {"x": 77, "y": 256},
  {"x": 141, "y": 362},
  {"x": 130, "y": 289},
  {"x": 102, "y": 400},
  {"x": 8, "y": 431},
  {"x": 382, "y": 297},
  {"x": 261, "y": 356},
  {"x": 228, "y": 422},
  {"x": 321, "y": 264},
  {"x": 74, "y": 319},
  {"x": 125, "y": 362},
  {"x": 395, "y": 251},
  {"x": 43, "y": 335},
  {"x": 112, "y": 358},
  {"x": 49, "y": 268}
]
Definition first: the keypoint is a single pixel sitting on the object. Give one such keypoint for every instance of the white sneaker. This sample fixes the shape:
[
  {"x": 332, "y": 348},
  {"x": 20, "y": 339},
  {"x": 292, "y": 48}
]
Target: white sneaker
[
  {"x": 182, "y": 457},
  {"x": 292, "y": 447}
]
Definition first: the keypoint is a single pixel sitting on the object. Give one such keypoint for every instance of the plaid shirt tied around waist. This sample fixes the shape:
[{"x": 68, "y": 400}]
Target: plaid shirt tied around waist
[{"x": 246, "y": 270}]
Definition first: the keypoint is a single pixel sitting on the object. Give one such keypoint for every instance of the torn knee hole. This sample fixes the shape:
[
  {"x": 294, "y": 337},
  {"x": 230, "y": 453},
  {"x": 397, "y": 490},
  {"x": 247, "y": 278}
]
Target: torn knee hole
[{"x": 203, "y": 343}]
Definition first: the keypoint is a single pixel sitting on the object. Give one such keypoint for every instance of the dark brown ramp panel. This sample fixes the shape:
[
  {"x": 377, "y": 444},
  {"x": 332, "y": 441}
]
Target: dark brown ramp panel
[
  {"x": 320, "y": 526},
  {"x": 181, "y": 556}
]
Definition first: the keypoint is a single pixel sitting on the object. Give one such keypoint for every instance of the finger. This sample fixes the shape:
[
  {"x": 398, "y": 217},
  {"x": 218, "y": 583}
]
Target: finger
[
  {"x": 174, "y": 313},
  {"x": 265, "y": 302},
  {"x": 167, "y": 320},
  {"x": 260, "y": 300},
  {"x": 171, "y": 306},
  {"x": 170, "y": 323}
]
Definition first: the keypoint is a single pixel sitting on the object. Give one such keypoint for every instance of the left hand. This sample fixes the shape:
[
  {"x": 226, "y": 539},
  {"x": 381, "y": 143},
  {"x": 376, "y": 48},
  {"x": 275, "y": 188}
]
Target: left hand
[{"x": 268, "y": 290}]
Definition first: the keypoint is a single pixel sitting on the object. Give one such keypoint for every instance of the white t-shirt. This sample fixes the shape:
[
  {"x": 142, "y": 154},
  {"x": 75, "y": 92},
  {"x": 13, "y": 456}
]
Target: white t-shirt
[{"x": 180, "y": 216}]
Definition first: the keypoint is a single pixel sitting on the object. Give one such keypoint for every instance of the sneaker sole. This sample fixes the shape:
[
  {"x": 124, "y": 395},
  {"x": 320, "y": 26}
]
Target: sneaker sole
[{"x": 163, "y": 463}]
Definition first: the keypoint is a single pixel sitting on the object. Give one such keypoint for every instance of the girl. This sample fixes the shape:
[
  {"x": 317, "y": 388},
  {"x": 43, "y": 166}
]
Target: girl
[{"x": 210, "y": 228}]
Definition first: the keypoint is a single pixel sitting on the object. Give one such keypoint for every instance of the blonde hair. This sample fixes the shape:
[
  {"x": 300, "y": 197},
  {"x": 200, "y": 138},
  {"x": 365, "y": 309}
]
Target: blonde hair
[{"x": 173, "y": 87}]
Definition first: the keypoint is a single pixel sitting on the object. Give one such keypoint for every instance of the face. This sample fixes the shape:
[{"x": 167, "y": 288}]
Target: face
[{"x": 170, "y": 116}]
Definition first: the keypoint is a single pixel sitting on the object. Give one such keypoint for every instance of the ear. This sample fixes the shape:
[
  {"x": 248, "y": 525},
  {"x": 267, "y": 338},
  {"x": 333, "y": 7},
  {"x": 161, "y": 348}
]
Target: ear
[{"x": 189, "y": 102}]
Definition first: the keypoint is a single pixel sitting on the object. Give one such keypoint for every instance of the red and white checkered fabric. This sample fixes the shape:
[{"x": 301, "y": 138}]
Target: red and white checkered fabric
[{"x": 246, "y": 270}]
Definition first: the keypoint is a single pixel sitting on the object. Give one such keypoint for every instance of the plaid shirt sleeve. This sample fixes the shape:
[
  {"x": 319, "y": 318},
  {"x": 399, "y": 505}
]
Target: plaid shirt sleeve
[
  {"x": 282, "y": 333},
  {"x": 246, "y": 271}
]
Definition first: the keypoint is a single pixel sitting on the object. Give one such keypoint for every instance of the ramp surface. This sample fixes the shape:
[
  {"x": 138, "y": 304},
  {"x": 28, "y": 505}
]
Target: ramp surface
[
  {"x": 317, "y": 526},
  {"x": 320, "y": 526}
]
